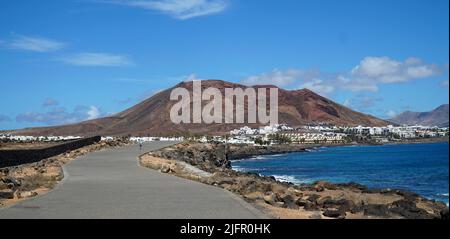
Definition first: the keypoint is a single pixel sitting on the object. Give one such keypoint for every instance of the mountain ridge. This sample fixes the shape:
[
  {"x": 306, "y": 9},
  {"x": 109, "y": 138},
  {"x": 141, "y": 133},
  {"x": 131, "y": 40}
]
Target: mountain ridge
[
  {"x": 152, "y": 116},
  {"x": 437, "y": 117}
]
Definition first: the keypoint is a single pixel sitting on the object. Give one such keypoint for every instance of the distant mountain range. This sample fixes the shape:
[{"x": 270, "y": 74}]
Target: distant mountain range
[
  {"x": 152, "y": 116},
  {"x": 437, "y": 117}
]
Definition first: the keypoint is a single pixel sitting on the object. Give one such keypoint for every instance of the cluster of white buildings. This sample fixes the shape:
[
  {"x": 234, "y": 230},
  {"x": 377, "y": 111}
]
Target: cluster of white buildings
[
  {"x": 261, "y": 131},
  {"x": 335, "y": 134},
  {"x": 247, "y": 135},
  {"x": 405, "y": 132}
]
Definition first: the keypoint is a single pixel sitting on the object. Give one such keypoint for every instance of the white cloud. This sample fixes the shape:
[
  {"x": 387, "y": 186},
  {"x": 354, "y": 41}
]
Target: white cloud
[
  {"x": 276, "y": 77},
  {"x": 347, "y": 83},
  {"x": 373, "y": 71},
  {"x": 314, "y": 80},
  {"x": 391, "y": 113},
  {"x": 319, "y": 86},
  {"x": 97, "y": 59},
  {"x": 445, "y": 83},
  {"x": 367, "y": 76},
  {"x": 191, "y": 77},
  {"x": 36, "y": 44},
  {"x": 347, "y": 103},
  {"x": 93, "y": 113},
  {"x": 179, "y": 9}
]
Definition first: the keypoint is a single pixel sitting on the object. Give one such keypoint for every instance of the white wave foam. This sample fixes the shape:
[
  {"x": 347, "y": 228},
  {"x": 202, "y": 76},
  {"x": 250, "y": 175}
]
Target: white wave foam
[
  {"x": 243, "y": 169},
  {"x": 277, "y": 155},
  {"x": 238, "y": 168},
  {"x": 288, "y": 179}
]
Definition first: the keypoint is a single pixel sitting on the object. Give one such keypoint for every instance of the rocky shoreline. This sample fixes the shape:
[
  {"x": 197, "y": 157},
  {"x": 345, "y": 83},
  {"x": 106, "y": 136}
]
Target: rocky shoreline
[
  {"x": 286, "y": 200},
  {"x": 246, "y": 151},
  {"x": 30, "y": 180},
  {"x": 238, "y": 152},
  {"x": 423, "y": 141}
]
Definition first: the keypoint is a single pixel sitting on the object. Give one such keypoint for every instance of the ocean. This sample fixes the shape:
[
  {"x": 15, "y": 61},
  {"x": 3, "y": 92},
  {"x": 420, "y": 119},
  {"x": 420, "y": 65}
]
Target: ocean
[{"x": 421, "y": 168}]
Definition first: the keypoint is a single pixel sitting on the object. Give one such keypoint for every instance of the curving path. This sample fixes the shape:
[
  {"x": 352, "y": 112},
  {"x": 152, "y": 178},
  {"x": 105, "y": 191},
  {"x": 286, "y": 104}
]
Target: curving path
[{"x": 111, "y": 184}]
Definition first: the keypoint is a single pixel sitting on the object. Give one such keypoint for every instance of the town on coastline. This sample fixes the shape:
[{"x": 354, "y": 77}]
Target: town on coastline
[{"x": 283, "y": 134}]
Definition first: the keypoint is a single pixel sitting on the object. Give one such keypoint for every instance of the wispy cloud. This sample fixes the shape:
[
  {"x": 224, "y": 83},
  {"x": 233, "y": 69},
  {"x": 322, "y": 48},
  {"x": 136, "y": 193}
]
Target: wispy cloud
[
  {"x": 36, "y": 44},
  {"x": 60, "y": 115},
  {"x": 50, "y": 102},
  {"x": 97, "y": 59},
  {"x": 179, "y": 9},
  {"x": 4, "y": 118}
]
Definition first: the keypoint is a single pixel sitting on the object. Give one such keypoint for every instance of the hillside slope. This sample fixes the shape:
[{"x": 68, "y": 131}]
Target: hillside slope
[
  {"x": 152, "y": 116},
  {"x": 437, "y": 117}
]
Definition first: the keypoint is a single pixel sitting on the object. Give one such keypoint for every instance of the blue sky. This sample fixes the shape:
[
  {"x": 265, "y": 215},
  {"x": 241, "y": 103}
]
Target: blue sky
[{"x": 72, "y": 60}]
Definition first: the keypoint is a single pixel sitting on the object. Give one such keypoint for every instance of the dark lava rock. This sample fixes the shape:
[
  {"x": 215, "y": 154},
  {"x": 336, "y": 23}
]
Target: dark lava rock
[
  {"x": 352, "y": 186},
  {"x": 301, "y": 202},
  {"x": 324, "y": 185},
  {"x": 7, "y": 194},
  {"x": 346, "y": 205},
  {"x": 10, "y": 180},
  {"x": 379, "y": 210},
  {"x": 198, "y": 155},
  {"x": 325, "y": 201},
  {"x": 342, "y": 204},
  {"x": 313, "y": 198},
  {"x": 409, "y": 210},
  {"x": 309, "y": 206},
  {"x": 334, "y": 213},
  {"x": 289, "y": 202},
  {"x": 356, "y": 208},
  {"x": 409, "y": 196}
]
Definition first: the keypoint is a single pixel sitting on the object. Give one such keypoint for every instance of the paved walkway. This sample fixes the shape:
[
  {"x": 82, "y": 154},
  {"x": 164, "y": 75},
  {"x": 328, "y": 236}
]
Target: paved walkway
[{"x": 111, "y": 184}]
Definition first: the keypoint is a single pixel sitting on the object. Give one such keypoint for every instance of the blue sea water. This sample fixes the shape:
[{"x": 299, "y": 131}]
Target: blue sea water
[{"x": 422, "y": 168}]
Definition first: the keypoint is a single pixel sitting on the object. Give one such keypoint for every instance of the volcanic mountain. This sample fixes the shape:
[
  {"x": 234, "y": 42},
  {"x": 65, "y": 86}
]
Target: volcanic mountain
[
  {"x": 152, "y": 116},
  {"x": 437, "y": 117}
]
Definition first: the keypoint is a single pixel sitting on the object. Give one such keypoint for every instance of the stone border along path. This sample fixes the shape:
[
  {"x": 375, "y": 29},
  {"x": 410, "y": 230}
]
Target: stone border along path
[{"x": 111, "y": 184}]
